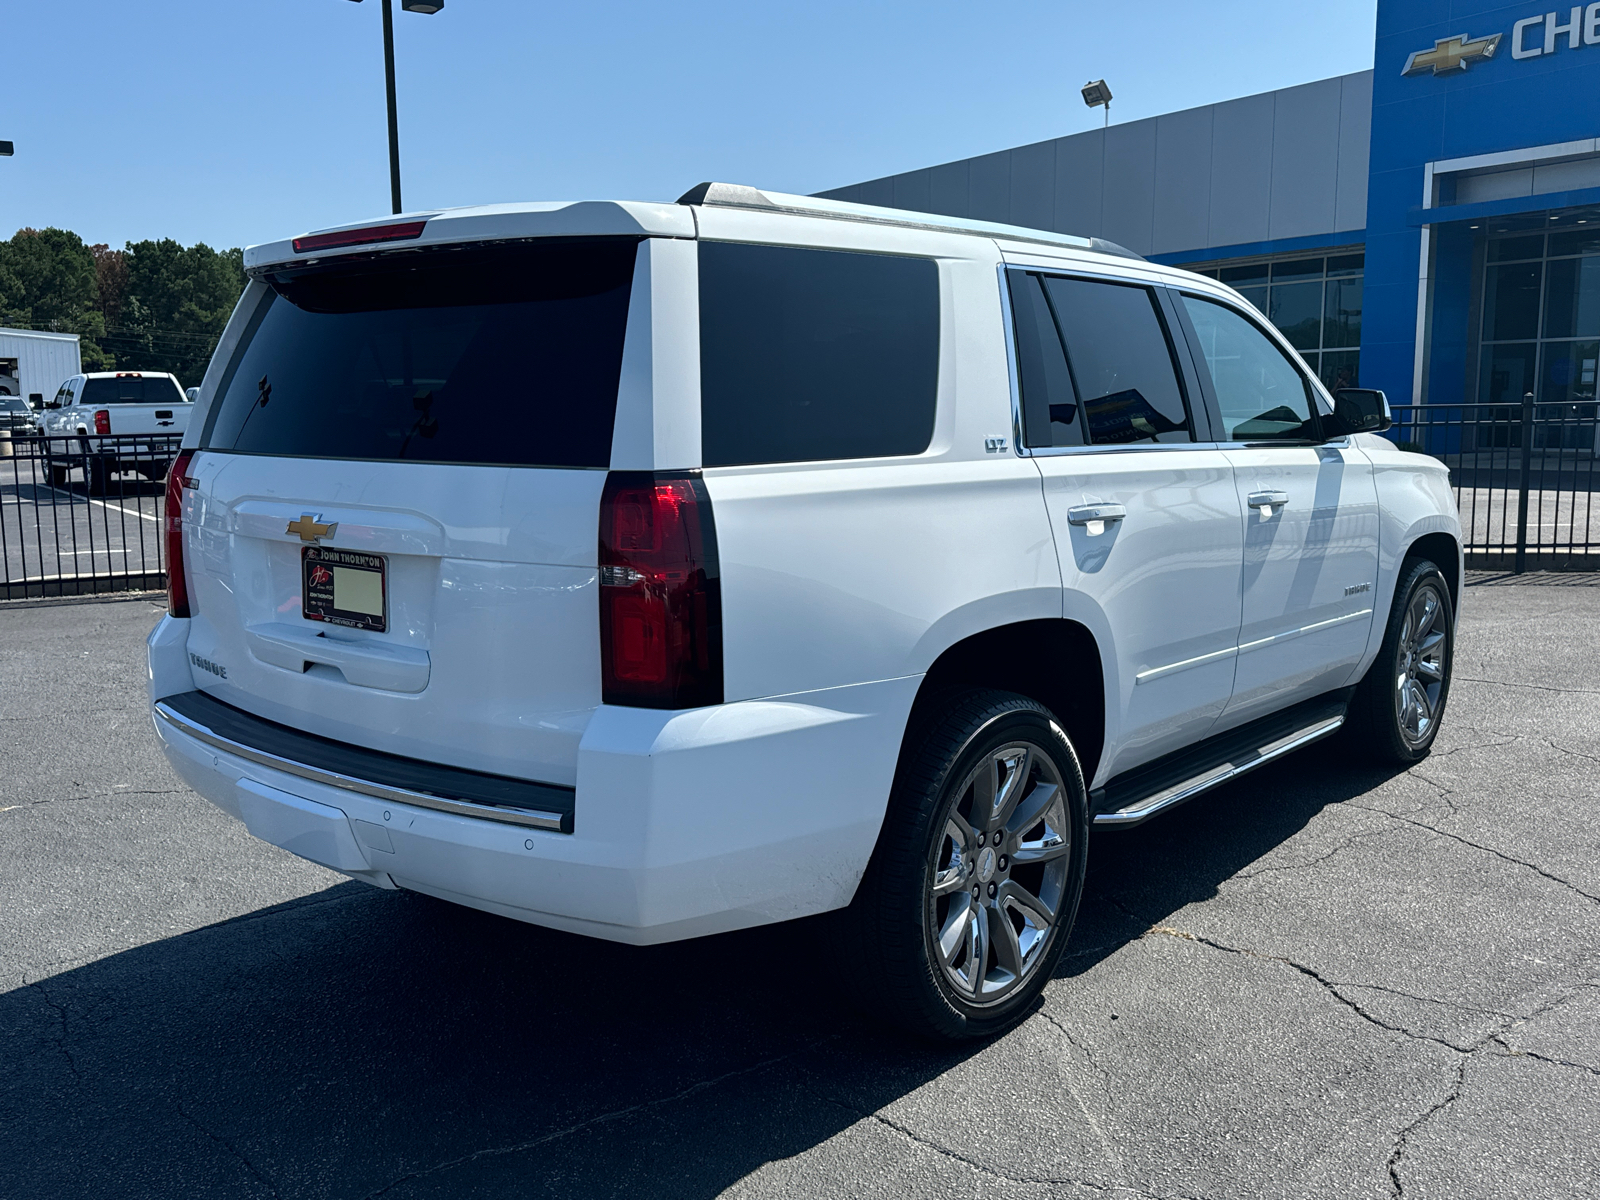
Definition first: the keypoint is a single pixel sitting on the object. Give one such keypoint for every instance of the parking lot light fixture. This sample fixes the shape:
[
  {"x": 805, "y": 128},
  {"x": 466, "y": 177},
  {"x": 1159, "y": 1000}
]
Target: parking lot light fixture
[
  {"x": 1096, "y": 95},
  {"x": 6, "y": 150}
]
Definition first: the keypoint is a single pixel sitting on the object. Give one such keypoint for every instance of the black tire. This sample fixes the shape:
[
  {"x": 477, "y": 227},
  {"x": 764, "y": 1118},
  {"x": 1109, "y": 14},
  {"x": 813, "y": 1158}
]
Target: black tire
[
  {"x": 56, "y": 473},
  {"x": 99, "y": 471},
  {"x": 1380, "y": 726},
  {"x": 896, "y": 918}
]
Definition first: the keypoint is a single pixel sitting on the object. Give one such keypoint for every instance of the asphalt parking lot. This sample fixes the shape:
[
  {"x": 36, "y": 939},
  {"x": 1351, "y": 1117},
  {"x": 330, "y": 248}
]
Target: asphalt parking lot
[{"x": 1322, "y": 981}]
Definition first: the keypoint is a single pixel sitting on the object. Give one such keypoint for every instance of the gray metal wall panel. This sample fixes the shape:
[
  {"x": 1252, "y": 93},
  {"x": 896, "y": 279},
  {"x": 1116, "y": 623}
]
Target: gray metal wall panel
[
  {"x": 914, "y": 190},
  {"x": 948, "y": 188},
  {"x": 850, "y": 195},
  {"x": 1033, "y": 185},
  {"x": 989, "y": 187},
  {"x": 1355, "y": 138},
  {"x": 1305, "y": 159},
  {"x": 1130, "y": 190},
  {"x": 1283, "y": 164},
  {"x": 1241, "y": 170},
  {"x": 1080, "y": 183},
  {"x": 1183, "y": 181},
  {"x": 878, "y": 191}
]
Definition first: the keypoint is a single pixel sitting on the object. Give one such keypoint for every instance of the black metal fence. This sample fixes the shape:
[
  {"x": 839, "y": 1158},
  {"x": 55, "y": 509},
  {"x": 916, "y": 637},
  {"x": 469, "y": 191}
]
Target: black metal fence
[
  {"x": 1525, "y": 478},
  {"x": 82, "y": 514}
]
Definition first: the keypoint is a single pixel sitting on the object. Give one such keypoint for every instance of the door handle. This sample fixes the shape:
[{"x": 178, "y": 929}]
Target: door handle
[
  {"x": 1267, "y": 501},
  {"x": 1085, "y": 513}
]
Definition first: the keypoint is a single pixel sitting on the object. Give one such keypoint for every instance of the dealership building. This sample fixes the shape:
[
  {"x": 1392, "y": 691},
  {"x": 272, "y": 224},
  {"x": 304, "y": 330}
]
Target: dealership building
[{"x": 1430, "y": 227}]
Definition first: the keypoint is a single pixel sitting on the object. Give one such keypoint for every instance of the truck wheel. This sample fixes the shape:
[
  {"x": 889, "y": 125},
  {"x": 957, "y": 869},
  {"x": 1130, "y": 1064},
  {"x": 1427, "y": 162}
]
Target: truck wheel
[
  {"x": 1395, "y": 713},
  {"x": 99, "y": 471},
  {"x": 967, "y": 903},
  {"x": 56, "y": 473}
]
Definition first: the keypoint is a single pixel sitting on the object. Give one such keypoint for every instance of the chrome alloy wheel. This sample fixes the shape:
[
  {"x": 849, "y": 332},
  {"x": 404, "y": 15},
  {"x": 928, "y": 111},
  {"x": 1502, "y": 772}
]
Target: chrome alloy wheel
[
  {"x": 999, "y": 873},
  {"x": 1420, "y": 666}
]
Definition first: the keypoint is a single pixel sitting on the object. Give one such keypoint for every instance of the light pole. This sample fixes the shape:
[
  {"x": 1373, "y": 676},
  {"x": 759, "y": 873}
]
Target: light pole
[
  {"x": 1095, "y": 94},
  {"x": 419, "y": 6}
]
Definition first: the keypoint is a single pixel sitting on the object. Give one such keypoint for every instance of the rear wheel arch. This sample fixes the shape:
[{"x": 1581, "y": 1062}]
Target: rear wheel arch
[{"x": 1053, "y": 661}]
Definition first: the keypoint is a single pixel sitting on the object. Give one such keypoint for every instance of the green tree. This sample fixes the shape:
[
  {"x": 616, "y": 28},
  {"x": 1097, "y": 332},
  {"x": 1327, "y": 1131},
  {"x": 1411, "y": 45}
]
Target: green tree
[
  {"x": 173, "y": 305},
  {"x": 48, "y": 281}
]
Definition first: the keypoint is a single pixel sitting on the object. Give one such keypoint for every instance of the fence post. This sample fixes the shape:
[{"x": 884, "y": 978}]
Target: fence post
[{"x": 1522, "y": 483}]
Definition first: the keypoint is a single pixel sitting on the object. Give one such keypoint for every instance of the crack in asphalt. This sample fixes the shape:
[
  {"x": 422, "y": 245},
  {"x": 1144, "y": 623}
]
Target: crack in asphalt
[
  {"x": 228, "y": 1145},
  {"x": 1106, "y": 1144},
  {"x": 61, "y": 1015},
  {"x": 1500, "y": 854},
  {"x": 615, "y": 1114},
  {"x": 95, "y": 796},
  {"x": 1403, "y": 1138},
  {"x": 1538, "y": 687},
  {"x": 944, "y": 1151},
  {"x": 1512, "y": 1052},
  {"x": 1318, "y": 861},
  {"x": 1575, "y": 753}
]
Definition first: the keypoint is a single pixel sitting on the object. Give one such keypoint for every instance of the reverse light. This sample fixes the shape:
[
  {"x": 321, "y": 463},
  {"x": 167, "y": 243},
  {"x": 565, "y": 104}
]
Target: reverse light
[
  {"x": 172, "y": 530},
  {"x": 660, "y": 592},
  {"x": 102, "y": 421},
  {"x": 398, "y": 231}
]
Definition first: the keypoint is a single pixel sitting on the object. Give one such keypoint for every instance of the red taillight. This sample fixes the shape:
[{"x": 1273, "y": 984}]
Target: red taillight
[
  {"x": 102, "y": 421},
  {"x": 660, "y": 593},
  {"x": 398, "y": 232},
  {"x": 172, "y": 530}
]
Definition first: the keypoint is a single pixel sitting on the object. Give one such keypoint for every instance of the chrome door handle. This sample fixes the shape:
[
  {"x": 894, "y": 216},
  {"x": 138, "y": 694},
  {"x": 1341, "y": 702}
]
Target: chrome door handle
[
  {"x": 1085, "y": 513},
  {"x": 1268, "y": 499}
]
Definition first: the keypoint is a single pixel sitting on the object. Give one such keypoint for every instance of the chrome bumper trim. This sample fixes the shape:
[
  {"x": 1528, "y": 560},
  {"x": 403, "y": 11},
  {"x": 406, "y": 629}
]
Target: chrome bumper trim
[{"x": 533, "y": 818}]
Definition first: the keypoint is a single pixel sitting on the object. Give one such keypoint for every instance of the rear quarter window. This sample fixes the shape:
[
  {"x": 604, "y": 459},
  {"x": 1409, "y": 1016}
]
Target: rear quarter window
[{"x": 809, "y": 355}]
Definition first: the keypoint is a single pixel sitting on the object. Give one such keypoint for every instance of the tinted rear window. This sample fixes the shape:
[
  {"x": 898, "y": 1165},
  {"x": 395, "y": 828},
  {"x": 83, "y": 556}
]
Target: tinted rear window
[
  {"x": 808, "y": 355},
  {"x": 503, "y": 355},
  {"x": 154, "y": 389}
]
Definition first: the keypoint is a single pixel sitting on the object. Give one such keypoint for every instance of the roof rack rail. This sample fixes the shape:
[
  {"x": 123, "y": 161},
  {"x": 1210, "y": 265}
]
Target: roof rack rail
[{"x": 739, "y": 195}]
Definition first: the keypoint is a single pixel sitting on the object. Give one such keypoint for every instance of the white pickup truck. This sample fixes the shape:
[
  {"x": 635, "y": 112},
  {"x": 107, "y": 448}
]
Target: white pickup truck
[{"x": 105, "y": 413}]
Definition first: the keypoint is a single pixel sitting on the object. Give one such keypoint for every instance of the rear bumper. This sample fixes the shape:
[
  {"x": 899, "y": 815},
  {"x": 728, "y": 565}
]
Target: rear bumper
[{"x": 685, "y": 823}]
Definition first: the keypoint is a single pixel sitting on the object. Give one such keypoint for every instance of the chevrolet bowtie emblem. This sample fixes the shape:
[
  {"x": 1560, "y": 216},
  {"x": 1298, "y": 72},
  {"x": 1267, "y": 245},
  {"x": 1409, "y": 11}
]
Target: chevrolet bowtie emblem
[
  {"x": 1451, "y": 54},
  {"x": 309, "y": 530}
]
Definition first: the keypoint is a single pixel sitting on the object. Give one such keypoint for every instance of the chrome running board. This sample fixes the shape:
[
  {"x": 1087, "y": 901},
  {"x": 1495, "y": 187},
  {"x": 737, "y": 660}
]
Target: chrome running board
[{"x": 1140, "y": 794}]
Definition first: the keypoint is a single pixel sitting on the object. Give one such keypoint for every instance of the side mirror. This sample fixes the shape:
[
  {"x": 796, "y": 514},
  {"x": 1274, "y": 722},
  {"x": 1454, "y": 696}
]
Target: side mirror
[
  {"x": 36, "y": 400},
  {"x": 191, "y": 394},
  {"x": 1359, "y": 410}
]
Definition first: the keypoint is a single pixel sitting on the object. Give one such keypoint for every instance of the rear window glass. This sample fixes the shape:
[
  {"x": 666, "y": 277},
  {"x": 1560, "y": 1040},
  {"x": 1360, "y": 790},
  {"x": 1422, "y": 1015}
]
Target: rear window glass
[
  {"x": 807, "y": 355},
  {"x": 151, "y": 389},
  {"x": 504, "y": 355}
]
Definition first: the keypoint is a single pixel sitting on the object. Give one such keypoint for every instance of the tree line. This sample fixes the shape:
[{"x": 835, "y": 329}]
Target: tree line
[{"x": 151, "y": 306}]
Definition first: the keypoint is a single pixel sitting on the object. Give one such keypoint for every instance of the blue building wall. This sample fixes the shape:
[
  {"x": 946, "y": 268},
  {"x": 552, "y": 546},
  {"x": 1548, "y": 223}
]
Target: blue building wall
[{"x": 1501, "y": 103}]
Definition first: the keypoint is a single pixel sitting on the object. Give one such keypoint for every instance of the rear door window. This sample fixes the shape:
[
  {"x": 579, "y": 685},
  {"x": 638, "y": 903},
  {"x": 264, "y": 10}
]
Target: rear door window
[
  {"x": 1121, "y": 361},
  {"x": 809, "y": 355},
  {"x": 1049, "y": 403},
  {"x": 1263, "y": 396},
  {"x": 506, "y": 355}
]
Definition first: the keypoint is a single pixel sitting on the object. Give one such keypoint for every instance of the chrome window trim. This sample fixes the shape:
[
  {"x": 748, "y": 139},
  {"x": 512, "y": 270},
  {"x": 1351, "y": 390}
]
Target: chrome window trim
[{"x": 533, "y": 818}]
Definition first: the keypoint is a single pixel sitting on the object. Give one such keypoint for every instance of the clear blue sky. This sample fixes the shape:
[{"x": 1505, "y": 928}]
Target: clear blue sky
[{"x": 237, "y": 121}]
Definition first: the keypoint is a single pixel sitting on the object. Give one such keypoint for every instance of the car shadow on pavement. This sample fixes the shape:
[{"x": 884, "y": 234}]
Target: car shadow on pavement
[{"x": 358, "y": 1043}]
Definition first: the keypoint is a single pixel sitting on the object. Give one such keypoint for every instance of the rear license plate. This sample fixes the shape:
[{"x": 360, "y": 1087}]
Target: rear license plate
[{"x": 343, "y": 587}]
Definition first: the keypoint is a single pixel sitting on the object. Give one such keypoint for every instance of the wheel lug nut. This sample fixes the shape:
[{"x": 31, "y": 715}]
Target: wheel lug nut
[
  {"x": 992, "y": 889},
  {"x": 980, "y": 839},
  {"x": 1002, "y": 862},
  {"x": 975, "y": 890}
]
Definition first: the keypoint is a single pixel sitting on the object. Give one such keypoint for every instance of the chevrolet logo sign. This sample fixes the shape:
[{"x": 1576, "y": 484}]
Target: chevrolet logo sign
[
  {"x": 1451, "y": 54},
  {"x": 309, "y": 530}
]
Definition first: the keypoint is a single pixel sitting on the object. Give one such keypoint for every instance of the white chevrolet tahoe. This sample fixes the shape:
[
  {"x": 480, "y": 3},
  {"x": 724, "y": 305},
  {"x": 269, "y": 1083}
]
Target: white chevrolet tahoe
[
  {"x": 118, "y": 406},
  {"x": 653, "y": 570}
]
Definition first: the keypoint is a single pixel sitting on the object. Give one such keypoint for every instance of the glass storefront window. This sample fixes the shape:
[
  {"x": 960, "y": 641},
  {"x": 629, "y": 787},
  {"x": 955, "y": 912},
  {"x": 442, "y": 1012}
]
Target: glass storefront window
[
  {"x": 1315, "y": 302},
  {"x": 1541, "y": 316}
]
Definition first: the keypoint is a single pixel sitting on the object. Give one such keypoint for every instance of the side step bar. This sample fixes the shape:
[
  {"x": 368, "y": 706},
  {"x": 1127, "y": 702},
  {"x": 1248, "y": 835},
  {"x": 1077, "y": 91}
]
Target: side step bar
[{"x": 1137, "y": 795}]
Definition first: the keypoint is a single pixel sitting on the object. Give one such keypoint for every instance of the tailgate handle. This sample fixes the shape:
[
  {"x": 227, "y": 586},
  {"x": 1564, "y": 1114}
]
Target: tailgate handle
[
  {"x": 163, "y": 412},
  {"x": 363, "y": 664}
]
